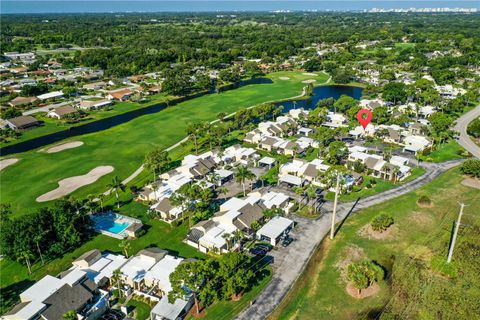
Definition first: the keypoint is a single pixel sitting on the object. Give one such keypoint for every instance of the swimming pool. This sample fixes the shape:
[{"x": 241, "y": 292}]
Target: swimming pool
[{"x": 113, "y": 224}]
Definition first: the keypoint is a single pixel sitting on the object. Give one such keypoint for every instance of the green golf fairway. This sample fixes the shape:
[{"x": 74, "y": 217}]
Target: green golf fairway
[{"x": 125, "y": 145}]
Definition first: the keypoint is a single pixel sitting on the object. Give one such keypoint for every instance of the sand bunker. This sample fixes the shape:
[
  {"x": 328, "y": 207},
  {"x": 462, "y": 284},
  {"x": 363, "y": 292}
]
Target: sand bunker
[
  {"x": 471, "y": 182},
  {"x": 310, "y": 74},
  {"x": 284, "y": 78},
  {"x": 309, "y": 81},
  {"x": 65, "y": 146},
  {"x": 68, "y": 185},
  {"x": 7, "y": 162}
]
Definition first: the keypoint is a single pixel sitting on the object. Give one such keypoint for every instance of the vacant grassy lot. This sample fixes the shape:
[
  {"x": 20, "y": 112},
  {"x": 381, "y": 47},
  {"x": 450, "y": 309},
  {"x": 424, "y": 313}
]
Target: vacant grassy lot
[
  {"x": 418, "y": 231},
  {"x": 124, "y": 146},
  {"x": 446, "y": 151}
]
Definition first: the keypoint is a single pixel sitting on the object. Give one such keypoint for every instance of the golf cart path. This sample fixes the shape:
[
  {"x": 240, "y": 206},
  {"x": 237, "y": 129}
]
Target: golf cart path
[
  {"x": 461, "y": 127},
  {"x": 290, "y": 262}
]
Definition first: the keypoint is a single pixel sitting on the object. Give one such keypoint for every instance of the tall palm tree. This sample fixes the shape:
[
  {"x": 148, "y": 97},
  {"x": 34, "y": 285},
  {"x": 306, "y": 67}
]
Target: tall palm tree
[
  {"x": 101, "y": 198},
  {"x": 243, "y": 174},
  {"x": 26, "y": 255},
  {"x": 125, "y": 245},
  {"x": 116, "y": 185},
  {"x": 227, "y": 236},
  {"x": 237, "y": 235},
  {"x": 38, "y": 238},
  {"x": 117, "y": 279}
]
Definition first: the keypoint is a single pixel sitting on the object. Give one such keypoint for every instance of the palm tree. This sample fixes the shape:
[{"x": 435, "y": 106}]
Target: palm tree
[
  {"x": 237, "y": 235},
  {"x": 227, "y": 236},
  {"x": 243, "y": 174},
  {"x": 117, "y": 279},
  {"x": 26, "y": 255},
  {"x": 38, "y": 238},
  {"x": 90, "y": 204},
  {"x": 125, "y": 245},
  {"x": 100, "y": 198},
  {"x": 116, "y": 185}
]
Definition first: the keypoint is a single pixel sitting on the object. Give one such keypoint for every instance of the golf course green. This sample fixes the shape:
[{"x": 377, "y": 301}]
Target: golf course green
[{"x": 123, "y": 147}]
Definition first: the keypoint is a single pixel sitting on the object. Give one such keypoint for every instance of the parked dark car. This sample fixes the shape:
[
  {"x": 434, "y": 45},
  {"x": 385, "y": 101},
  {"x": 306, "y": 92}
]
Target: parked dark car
[
  {"x": 287, "y": 241},
  {"x": 262, "y": 246},
  {"x": 257, "y": 251}
]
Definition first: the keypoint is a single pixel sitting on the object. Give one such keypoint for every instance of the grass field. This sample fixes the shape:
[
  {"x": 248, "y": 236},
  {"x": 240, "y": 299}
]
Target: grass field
[
  {"x": 446, "y": 151},
  {"x": 124, "y": 146},
  {"x": 418, "y": 231}
]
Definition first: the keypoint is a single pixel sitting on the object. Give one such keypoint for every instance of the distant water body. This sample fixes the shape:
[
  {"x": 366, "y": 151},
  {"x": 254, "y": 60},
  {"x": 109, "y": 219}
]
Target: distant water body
[{"x": 67, "y": 6}]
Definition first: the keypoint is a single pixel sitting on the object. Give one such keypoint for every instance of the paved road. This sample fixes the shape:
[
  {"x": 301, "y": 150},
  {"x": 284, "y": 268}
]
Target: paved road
[
  {"x": 461, "y": 126},
  {"x": 289, "y": 262}
]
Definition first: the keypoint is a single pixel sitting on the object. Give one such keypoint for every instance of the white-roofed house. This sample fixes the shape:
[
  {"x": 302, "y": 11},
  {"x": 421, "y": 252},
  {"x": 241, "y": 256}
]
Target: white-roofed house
[
  {"x": 274, "y": 229},
  {"x": 415, "y": 144}
]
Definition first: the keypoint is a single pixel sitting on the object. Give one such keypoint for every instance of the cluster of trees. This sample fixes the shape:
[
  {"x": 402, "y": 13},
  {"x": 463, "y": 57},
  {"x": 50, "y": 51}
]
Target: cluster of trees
[
  {"x": 45, "y": 234},
  {"x": 139, "y": 43},
  {"x": 213, "y": 134},
  {"x": 473, "y": 128},
  {"x": 214, "y": 279},
  {"x": 471, "y": 167}
]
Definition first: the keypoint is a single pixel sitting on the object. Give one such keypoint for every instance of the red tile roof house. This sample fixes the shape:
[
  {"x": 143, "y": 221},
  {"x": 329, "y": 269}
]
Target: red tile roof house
[{"x": 121, "y": 94}]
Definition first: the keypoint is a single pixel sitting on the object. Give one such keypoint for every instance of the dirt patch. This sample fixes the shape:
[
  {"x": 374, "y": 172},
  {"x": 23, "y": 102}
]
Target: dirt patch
[
  {"x": 309, "y": 81},
  {"x": 284, "y": 78},
  {"x": 419, "y": 252},
  {"x": 349, "y": 255},
  {"x": 7, "y": 162},
  {"x": 367, "y": 232},
  {"x": 420, "y": 218},
  {"x": 68, "y": 185},
  {"x": 471, "y": 182},
  {"x": 365, "y": 293},
  {"x": 65, "y": 146},
  {"x": 310, "y": 74},
  {"x": 425, "y": 205}
]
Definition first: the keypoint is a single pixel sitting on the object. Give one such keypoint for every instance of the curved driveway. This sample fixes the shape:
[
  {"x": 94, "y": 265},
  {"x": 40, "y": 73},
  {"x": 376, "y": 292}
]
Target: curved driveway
[
  {"x": 461, "y": 127},
  {"x": 289, "y": 262}
]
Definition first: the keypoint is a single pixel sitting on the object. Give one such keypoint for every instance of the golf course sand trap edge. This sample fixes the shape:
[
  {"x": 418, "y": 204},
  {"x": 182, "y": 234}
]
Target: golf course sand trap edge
[
  {"x": 283, "y": 78},
  {"x": 68, "y": 185},
  {"x": 65, "y": 146},
  {"x": 310, "y": 74},
  {"x": 309, "y": 81},
  {"x": 7, "y": 162}
]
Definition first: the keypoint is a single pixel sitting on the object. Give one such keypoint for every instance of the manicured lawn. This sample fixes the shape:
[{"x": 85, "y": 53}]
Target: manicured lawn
[
  {"x": 53, "y": 125},
  {"x": 225, "y": 310},
  {"x": 124, "y": 146},
  {"x": 380, "y": 186},
  {"x": 418, "y": 231},
  {"x": 446, "y": 151},
  {"x": 141, "y": 309},
  {"x": 14, "y": 275}
]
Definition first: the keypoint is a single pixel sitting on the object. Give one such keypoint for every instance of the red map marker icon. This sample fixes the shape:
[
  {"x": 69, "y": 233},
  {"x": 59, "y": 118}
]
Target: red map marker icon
[{"x": 364, "y": 116}]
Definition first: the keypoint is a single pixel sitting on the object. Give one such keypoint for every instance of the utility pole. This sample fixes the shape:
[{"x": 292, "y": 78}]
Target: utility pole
[
  {"x": 332, "y": 230},
  {"x": 457, "y": 226}
]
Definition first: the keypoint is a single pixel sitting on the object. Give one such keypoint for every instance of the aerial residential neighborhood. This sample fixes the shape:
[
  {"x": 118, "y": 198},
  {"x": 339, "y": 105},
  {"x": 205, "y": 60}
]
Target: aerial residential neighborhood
[{"x": 239, "y": 160}]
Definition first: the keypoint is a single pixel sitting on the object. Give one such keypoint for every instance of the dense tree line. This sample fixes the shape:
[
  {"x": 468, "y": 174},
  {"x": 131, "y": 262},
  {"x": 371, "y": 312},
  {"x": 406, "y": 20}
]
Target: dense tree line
[
  {"x": 44, "y": 234},
  {"x": 137, "y": 43}
]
